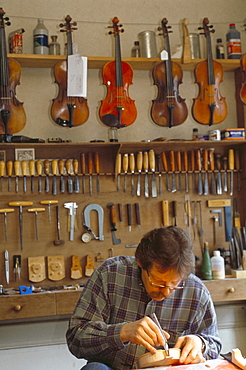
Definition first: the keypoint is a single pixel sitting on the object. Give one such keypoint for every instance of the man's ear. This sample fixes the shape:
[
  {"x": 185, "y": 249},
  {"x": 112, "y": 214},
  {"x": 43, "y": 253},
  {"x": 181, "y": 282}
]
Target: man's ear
[{"x": 138, "y": 263}]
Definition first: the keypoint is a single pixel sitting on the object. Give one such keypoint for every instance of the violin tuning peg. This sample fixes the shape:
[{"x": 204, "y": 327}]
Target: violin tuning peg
[
  {"x": 110, "y": 33},
  {"x": 74, "y": 24},
  {"x": 159, "y": 28},
  {"x": 122, "y": 30},
  {"x": 211, "y": 26},
  {"x": 200, "y": 28}
]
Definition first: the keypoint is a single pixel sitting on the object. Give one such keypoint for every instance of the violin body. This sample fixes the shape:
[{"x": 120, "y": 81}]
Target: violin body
[
  {"x": 117, "y": 109},
  {"x": 209, "y": 94},
  {"x": 160, "y": 110},
  {"x": 60, "y": 110},
  {"x": 243, "y": 87}
]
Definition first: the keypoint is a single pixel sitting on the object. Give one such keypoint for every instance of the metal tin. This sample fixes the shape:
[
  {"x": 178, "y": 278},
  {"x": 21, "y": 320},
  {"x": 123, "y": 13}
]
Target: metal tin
[
  {"x": 147, "y": 44},
  {"x": 15, "y": 44},
  {"x": 195, "y": 46},
  {"x": 214, "y": 135}
]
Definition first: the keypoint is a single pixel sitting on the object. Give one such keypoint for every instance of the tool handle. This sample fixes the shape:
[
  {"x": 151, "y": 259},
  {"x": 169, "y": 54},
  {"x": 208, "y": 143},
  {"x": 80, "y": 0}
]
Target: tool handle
[
  {"x": 158, "y": 163},
  {"x": 54, "y": 166},
  {"x": 97, "y": 162},
  {"x": 68, "y": 165},
  {"x": 9, "y": 168},
  {"x": 178, "y": 157},
  {"x": 211, "y": 159},
  {"x": 129, "y": 213},
  {"x": 75, "y": 166},
  {"x": 152, "y": 160},
  {"x": 165, "y": 212},
  {"x": 6, "y": 210},
  {"x": 198, "y": 160},
  {"x": 172, "y": 161},
  {"x": 125, "y": 162},
  {"x": 24, "y": 168},
  {"x": 192, "y": 160},
  {"x": 225, "y": 162},
  {"x": 48, "y": 202},
  {"x": 113, "y": 215},
  {"x": 164, "y": 161},
  {"x": 231, "y": 162},
  {"x": 217, "y": 157},
  {"x": 237, "y": 160},
  {"x": 205, "y": 159},
  {"x": 2, "y": 168},
  {"x": 32, "y": 167},
  {"x": 186, "y": 164},
  {"x": 139, "y": 161},
  {"x": 82, "y": 162},
  {"x": 46, "y": 167},
  {"x": 36, "y": 210},
  {"x": 145, "y": 161},
  {"x": 17, "y": 168},
  {"x": 89, "y": 163},
  {"x": 137, "y": 211},
  {"x": 20, "y": 203},
  {"x": 132, "y": 162},
  {"x": 118, "y": 164},
  {"x": 120, "y": 209},
  {"x": 174, "y": 208},
  {"x": 39, "y": 167},
  {"x": 61, "y": 166}
]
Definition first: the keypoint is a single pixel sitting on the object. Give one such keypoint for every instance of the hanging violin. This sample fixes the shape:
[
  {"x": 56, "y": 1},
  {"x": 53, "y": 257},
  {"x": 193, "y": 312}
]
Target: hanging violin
[
  {"x": 118, "y": 109},
  {"x": 12, "y": 114},
  {"x": 243, "y": 87},
  {"x": 209, "y": 107},
  {"x": 67, "y": 111},
  {"x": 169, "y": 109}
]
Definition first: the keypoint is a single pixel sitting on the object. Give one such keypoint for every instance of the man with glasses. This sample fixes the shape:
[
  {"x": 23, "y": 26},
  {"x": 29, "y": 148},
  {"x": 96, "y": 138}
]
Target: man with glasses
[{"x": 111, "y": 327}]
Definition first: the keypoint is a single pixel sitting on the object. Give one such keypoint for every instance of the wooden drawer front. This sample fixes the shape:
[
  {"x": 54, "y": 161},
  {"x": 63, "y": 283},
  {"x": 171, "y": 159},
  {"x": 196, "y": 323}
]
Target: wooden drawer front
[
  {"x": 20, "y": 307},
  {"x": 227, "y": 290},
  {"x": 66, "y": 302}
]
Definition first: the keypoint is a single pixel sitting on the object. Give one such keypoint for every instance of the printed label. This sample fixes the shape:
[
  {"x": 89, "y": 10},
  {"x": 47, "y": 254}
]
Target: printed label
[
  {"x": 234, "y": 47},
  {"x": 40, "y": 40}
]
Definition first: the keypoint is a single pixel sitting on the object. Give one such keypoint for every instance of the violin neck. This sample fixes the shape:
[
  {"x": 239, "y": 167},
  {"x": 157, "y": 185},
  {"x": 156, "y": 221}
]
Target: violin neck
[
  {"x": 69, "y": 43},
  {"x": 211, "y": 79},
  {"x": 4, "y": 71},
  {"x": 118, "y": 64},
  {"x": 168, "y": 63}
]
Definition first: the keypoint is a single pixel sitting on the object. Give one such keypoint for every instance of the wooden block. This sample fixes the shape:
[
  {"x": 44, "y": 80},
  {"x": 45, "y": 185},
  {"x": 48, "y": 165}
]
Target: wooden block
[
  {"x": 56, "y": 268},
  {"x": 238, "y": 359},
  {"x": 36, "y": 269},
  {"x": 159, "y": 358},
  {"x": 238, "y": 273}
]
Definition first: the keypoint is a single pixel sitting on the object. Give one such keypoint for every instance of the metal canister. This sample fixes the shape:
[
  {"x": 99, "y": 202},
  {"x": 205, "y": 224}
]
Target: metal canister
[
  {"x": 147, "y": 44},
  {"x": 214, "y": 135},
  {"x": 195, "y": 46},
  {"x": 15, "y": 41}
]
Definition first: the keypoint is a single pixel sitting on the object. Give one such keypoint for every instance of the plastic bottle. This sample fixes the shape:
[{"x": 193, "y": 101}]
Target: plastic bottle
[
  {"x": 233, "y": 40},
  {"x": 206, "y": 264},
  {"x": 218, "y": 266},
  {"x": 40, "y": 38},
  {"x": 220, "y": 50},
  {"x": 54, "y": 46},
  {"x": 135, "y": 52}
]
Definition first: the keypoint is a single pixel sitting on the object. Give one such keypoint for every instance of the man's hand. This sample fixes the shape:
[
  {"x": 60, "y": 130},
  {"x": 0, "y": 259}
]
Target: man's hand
[
  {"x": 191, "y": 349},
  {"x": 144, "y": 332}
]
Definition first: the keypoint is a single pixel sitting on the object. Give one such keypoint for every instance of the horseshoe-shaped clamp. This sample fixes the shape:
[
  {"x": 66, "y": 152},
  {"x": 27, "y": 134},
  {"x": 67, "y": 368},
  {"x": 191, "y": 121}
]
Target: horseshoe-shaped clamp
[{"x": 100, "y": 212}]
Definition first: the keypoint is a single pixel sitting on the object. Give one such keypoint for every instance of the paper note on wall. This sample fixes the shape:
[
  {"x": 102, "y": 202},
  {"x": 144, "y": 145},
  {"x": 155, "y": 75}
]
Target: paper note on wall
[{"x": 77, "y": 76}]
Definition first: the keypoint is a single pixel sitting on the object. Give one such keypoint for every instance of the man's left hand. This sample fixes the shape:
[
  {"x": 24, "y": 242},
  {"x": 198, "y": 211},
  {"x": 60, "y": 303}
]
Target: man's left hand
[{"x": 191, "y": 349}]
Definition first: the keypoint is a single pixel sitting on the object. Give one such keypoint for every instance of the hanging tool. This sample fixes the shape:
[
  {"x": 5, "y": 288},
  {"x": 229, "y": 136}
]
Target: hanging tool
[
  {"x": 54, "y": 167},
  {"x": 199, "y": 168},
  {"x": 132, "y": 169},
  {"x": 218, "y": 167},
  {"x": 158, "y": 168},
  {"x": 39, "y": 168},
  {"x": 24, "y": 173},
  {"x": 165, "y": 212},
  {"x": 97, "y": 169},
  {"x": 90, "y": 165},
  {"x": 89, "y": 267},
  {"x": 186, "y": 168},
  {"x": 165, "y": 167},
  {"x": 36, "y": 211},
  {"x": 237, "y": 168},
  {"x": 211, "y": 161},
  {"x": 174, "y": 213},
  {"x": 226, "y": 204},
  {"x": 112, "y": 220},
  {"x": 21, "y": 204},
  {"x": 72, "y": 213},
  {"x": 225, "y": 168},
  {"x": 129, "y": 216},
  {"x": 9, "y": 173},
  {"x": 48, "y": 203},
  {"x": 125, "y": 168},
  {"x": 120, "y": 211},
  {"x": 2, "y": 173},
  {"x": 192, "y": 165},
  {"x": 17, "y": 174},
  {"x": 152, "y": 169},
  {"x": 231, "y": 168},
  {"x": 6, "y": 264},
  {"x": 236, "y": 215},
  {"x": 100, "y": 215},
  {"x": 59, "y": 241},
  {"x": 61, "y": 172},
  {"x": 76, "y": 269},
  {"x": 76, "y": 177},
  {"x": 32, "y": 173},
  {"x": 17, "y": 266},
  {"x": 82, "y": 160},
  {"x": 146, "y": 169},
  {"x": 205, "y": 167},
  {"x": 172, "y": 167},
  {"x": 187, "y": 214},
  {"x": 47, "y": 172},
  {"x": 36, "y": 269},
  {"x": 179, "y": 169},
  {"x": 194, "y": 219},
  {"x": 200, "y": 226},
  {"x": 215, "y": 219},
  {"x": 68, "y": 165},
  {"x": 138, "y": 216},
  {"x": 118, "y": 169},
  {"x": 5, "y": 211},
  {"x": 139, "y": 169}
]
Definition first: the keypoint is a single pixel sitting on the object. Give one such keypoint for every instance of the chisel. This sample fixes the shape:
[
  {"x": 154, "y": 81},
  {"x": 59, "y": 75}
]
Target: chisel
[
  {"x": 205, "y": 167},
  {"x": 6, "y": 263},
  {"x": 35, "y": 211},
  {"x": 186, "y": 168},
  {"x": 54, "y": 167},
  {"x": 17, "y": 174},
  {"x": 24, "y": 173},
  {"x": 231, "y": 168},
  {"x": 165, "y": 212},
  {"x": 179, "y": 168},
  {"x": 211, "y": 161},
  {"x": 172, "y": 167},
  {"x": 5, "y": 211},
  {"x": 237, "y": 168},
  {"x": 61, "y": 172},
  {"x": 9, "y": 173},
  {"x": 146, "y": 169},
  {"x": 192, "y": 165},
  {"x": 218, "y": 167},
  {"x": 139, "y": 169},
  {"x": 68, "y": 166},
  {"x": 118, "y": 169},
  {"x": 165, "y": 167},
  {"x": 125, "y": 168},
  {"x": 199, "y": 168},
  {"x": 76, "y": 178},
  {"x": 132, "y": 169},
  {"x": 129, "y": 216},
  {"x": 152, "y": 169},
  {"x": 39, "y": 169},
  {"x": 158, "y": 168},
  {"x": 20, "y": 205},
  {"x": 90, "y": 164},
  {"x": 225, "y": 167},
  {"x": 2, "y": 172},
  {"x": 47, "y": 171},
  {"x": 97, "y": 170},
  {"x": 120, "y": 211},
  {"x": 174, "y": 213},
  {"x": 138, "y": 216},
  {"x": 82, "y": 160},
  {"x": 32, "y": 173}
]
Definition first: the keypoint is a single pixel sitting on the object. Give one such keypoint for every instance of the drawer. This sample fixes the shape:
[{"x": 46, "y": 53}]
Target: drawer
[
  {"x": 227, "y": 289},
  {"x": 66, "y": 302},
  {"x": 27, "y": 306}
]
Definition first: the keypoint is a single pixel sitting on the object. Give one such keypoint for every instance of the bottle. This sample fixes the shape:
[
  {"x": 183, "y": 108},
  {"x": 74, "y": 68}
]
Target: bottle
[
  {"x": 220, "y": 50},
  {"x": 195, "y": 134},
  {"x": 233, "y": 40},
  {"x": 218, "y": 266},
  {"x": 54, "y": 46},
  {"x": 135, "y": 52},
  {"x": 206, "y": 264},
  {"x": 40, "y": 38}
]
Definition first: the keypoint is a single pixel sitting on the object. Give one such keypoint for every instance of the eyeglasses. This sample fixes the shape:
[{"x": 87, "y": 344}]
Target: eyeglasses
[{"x": 164, "y": 286}]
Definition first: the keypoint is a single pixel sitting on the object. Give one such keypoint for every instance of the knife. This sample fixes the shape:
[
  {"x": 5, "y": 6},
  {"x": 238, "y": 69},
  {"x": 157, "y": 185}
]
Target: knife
[{"x": 152, "y": 169}]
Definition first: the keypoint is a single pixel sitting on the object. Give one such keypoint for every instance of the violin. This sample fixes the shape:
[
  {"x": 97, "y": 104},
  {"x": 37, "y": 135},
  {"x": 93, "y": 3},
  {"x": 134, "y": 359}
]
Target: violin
[
  {"x": 67, "y": 111},
  {"x": 12, "y": 114},
  {"x": 117, "y": 109},
  {"x": 169, "y": 109},
  {"x": 209, "y": 107},
  {"x": 243, "y": 87}
]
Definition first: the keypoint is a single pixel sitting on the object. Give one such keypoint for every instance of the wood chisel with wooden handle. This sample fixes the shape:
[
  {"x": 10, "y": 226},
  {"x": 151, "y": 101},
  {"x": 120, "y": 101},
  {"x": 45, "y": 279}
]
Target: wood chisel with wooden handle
[
  {"x": 61, "y": 165},
  {"x": 199, "y": 169},
  {"x": 158, "y": 169},
  {"x": 152, "y": 169},
  {"x": 205, "y": 167},
  {"x": 82, "y": 163},
  {"x": 139, "y": 169},
  {"x": 129, "y": 216},
  {"x": 68, "y": 165},
  {"x": 237, "y": 168},
  {"x": 179, "y": 169},
  {"x": 20, "y": 205},
  {"x": 76, "y": 177},
  {"x": 192, "y": 165},
  {"x": 36, "y": 211},
  {"x": 174, "y": 213},
  {"x": 172, "y": 168},
  {"x": 218, "y": 167},
  {"x": 225, "y": 168},
  {"x": 32, "y": 173},
  {"x": 146, "y": 169},
  {"x": 186, "y": 169},
  {"x": 54, "y": 168},
  {"x": 97, "y": 169},
  {"x": 118, "y": 169},
  {"x": 90, "y": 169},
  {"x": 211, "y": 162},
  {"x": 47, "y": 172},
  {"x": 24, "y": 173},
  {"x": 17, "y": 174},
  {"x": 138, "y": 215},
  {"x": 165, "y": 212},
  {"x": 9, "y": 173},
  {"x": 2, "y": 173},
  {"x": 231, "y": 168},
  {"x": 165, "y": 167},
  {"x": 132, "y": 170},
  {"x": 39, "y": 169},
  {"x": 125, "y": 168}
]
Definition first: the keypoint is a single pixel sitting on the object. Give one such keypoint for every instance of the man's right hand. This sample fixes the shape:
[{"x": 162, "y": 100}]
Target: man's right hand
[{"x": 144, "y": 332}]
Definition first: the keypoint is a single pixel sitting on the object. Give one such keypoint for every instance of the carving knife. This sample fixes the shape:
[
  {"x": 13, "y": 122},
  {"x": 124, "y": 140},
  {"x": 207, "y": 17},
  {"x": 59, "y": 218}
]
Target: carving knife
[
  {"x": 118, "y": 169},
  {"x": 76, "y": 178},
  {"x": 152, "y": 169},
  {"x": 9, "y": 172},
  {"x": 54, "y": 165},
  {"x": 158, "y": 168},
  {"x": 139, "y": 169},
  {"x": 132, "y": 169},
  {"x": 39, "y": 168},
  {"x": 178, "y": 157},
  {"x": 68, "y": 165},
  {"x": 199, "y": 168},
  {"x": 97, "y": 170},
  {"x": 231, "y": 168},
  {"x": 225, "y": 167},
  {"x": 32, "y": 173},
  {"x": 211, "y": 161},
  {"x": 47, "y": 171},
  {"x": 172, "y": 167},
  {"x": 125, "y": 168},
  {"x": 24, "y": 172},
  {"x": 186, "y": 168},
  {"x": 154, "y": 318},
  {"x": 218, "y": 166},
  {"x": 205, "y": 167},
  {"x": 82, "y": 159},
  {"x": 146, "y": 168},
  {"x": 61, "y": 172},
  {"x": 165, "y": 167}
]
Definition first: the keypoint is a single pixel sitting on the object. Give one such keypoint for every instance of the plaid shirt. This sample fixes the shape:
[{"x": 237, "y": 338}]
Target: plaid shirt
[{"x": 115, "y": 295}]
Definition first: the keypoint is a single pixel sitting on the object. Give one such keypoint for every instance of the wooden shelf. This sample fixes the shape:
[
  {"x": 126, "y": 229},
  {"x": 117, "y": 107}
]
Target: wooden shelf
[{"x": 48, "y": 61}]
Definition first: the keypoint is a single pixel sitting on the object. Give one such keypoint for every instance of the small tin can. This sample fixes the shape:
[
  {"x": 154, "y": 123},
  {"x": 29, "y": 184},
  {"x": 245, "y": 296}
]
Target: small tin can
[
  {"x": 15, "y": 41},
  {"x": 214, "y": 135},
  {"x": 147, "y": 44}
]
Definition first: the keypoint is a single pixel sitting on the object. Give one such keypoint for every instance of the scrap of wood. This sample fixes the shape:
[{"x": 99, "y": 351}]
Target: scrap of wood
[{"x": 238, "y": 359}]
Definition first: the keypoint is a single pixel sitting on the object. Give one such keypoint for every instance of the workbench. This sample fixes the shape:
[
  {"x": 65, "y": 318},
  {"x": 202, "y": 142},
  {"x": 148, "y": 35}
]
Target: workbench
[{"x": 208, "y": 365}]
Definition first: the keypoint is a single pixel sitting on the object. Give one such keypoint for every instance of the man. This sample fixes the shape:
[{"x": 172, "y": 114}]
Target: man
[{"x": 110, "y": 326}]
